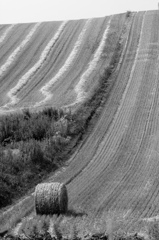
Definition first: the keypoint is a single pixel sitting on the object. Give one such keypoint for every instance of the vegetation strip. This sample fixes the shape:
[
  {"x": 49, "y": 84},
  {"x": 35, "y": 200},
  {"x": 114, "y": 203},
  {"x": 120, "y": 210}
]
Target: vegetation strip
[{"x": 76, "y": 227}]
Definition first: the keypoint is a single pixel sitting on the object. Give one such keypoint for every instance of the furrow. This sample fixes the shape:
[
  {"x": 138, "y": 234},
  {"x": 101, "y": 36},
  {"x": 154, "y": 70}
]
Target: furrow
[{"x": 108, "y": 143}]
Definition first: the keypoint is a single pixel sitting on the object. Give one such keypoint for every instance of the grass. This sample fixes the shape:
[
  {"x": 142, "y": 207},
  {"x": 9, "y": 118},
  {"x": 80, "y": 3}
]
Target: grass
[{"x": 81, "y": 227}]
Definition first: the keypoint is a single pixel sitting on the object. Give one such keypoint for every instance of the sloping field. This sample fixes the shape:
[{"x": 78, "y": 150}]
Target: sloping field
[
  {"x": 116, "y": 167},
  {"x": 48, "y": 55}
]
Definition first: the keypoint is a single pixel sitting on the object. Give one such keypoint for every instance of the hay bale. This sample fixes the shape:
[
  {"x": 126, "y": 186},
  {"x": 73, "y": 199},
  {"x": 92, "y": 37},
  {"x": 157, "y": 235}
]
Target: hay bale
[{"x": 51, "y": 198}]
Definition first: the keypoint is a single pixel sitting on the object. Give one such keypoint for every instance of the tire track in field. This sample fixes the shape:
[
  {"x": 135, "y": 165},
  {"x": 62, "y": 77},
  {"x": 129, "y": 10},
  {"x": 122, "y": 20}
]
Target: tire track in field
[
  {"x": 30, "y": 73},
  {"x": 45, "y": 89},
  {"x": 79, "y": 89},
  {"x": 6, "y": 32}
]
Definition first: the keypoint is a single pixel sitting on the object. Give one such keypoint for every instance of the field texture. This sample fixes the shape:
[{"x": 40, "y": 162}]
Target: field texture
[{"x": 115, "y": 169}]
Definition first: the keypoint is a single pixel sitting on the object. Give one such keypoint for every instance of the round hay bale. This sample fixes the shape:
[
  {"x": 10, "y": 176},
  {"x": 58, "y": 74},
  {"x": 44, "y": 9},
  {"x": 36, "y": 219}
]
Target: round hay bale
[{"x": 51, "y": 198}]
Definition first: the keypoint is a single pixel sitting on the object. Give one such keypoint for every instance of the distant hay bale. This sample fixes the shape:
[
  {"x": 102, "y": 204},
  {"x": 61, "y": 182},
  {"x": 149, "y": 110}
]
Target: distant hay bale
[{"x": 51, "y": 198}]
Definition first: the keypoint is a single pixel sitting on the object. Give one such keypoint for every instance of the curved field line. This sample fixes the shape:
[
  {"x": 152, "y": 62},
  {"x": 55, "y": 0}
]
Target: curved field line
[
  {"x": 102, "y": 144},
  {"x": 45, "y": 89},
  {"x": 79, "y": 89},
  {"x": 120, "y": 61},
  {"x": 130, "y": 166},
  {"x": 5, "y": 34},
  {"x": 114, "y": 134},
  {"x": 134, "y": 177},
  {"x": 148, "y": 128},
  {"x": 95, "y": 147},
  {"x": 28, "y": 75},
  {"x": 12, "y": 57},
  {"x": 153, "y": 131},
  {"x": 131, "y": 174}
]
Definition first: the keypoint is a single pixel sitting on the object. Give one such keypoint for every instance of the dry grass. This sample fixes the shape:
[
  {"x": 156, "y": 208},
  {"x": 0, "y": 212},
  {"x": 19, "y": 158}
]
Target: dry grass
[{"x": 107, "y": 227}]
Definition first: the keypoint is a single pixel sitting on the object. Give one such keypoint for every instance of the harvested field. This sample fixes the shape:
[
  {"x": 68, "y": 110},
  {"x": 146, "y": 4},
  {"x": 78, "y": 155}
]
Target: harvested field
[{"x": 115, "y": 169}]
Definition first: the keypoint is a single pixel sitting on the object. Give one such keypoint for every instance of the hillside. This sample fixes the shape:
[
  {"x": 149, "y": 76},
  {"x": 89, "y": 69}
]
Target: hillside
[
  {"x": 37, "y": 59},
  {"x": 60, "y": 64}
]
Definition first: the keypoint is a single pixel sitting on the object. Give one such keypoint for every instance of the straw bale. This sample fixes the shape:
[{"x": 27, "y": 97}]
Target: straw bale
[{"x": 51, "y": 198}]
